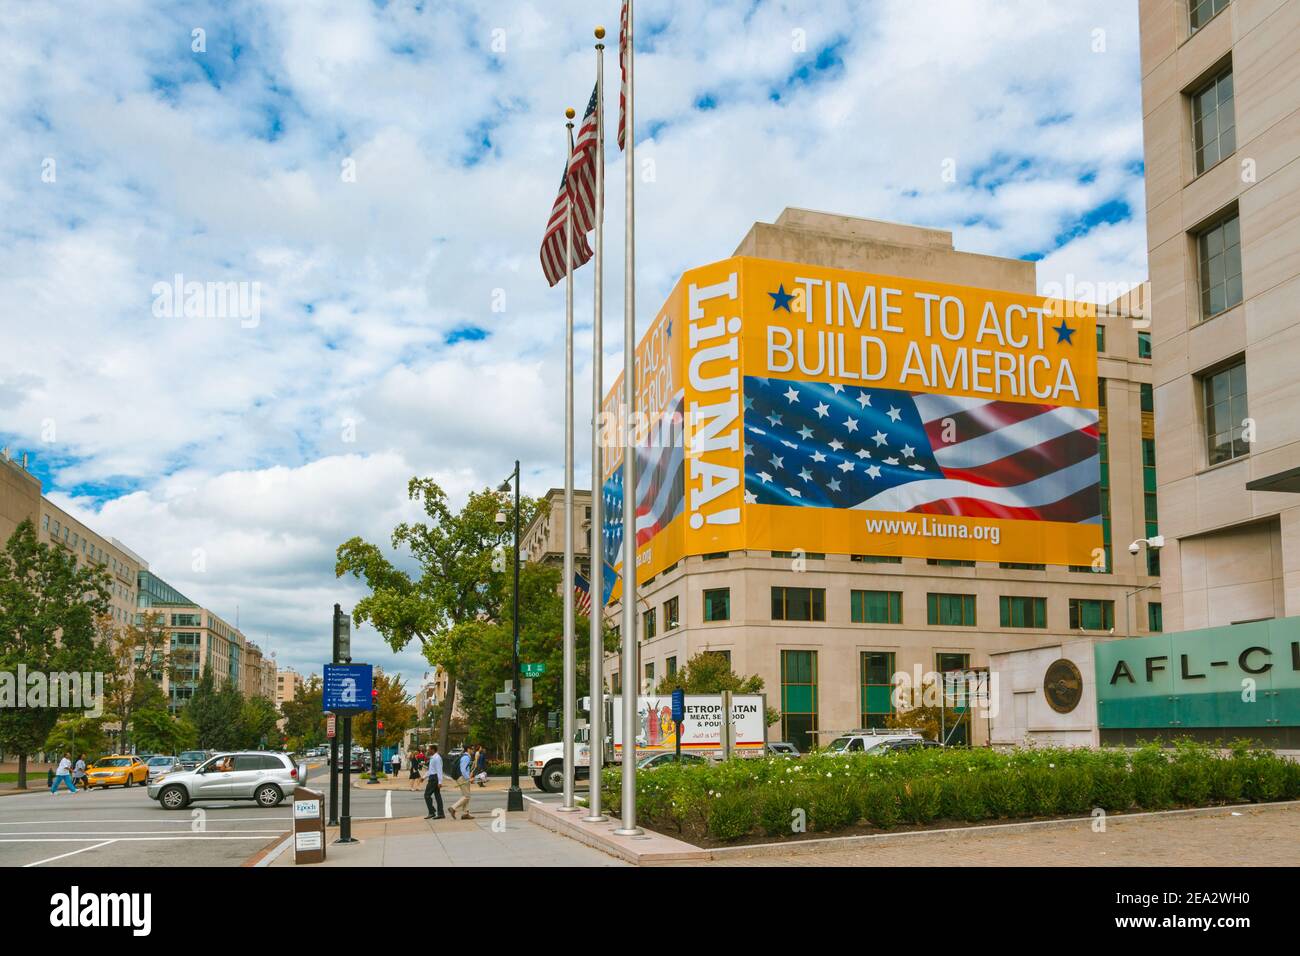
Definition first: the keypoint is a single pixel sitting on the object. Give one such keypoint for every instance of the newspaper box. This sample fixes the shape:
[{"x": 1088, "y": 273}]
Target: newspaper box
[{"x": 308, "y": 826}]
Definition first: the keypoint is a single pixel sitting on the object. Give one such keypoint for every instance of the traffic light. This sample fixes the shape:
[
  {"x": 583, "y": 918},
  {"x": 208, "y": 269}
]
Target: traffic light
[{"x": 380, "y": 725}]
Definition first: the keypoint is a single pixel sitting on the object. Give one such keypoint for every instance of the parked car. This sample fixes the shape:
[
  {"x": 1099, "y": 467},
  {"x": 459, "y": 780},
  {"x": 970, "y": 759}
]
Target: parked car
[
  {"x": 189, "y": 759},
  {"x": 908, "y": 743},
  {"x": 781, "y": 748},
  {"x": 117, "y": 770},
  {"x": 873, "y": 741},
  {"x": 260, "y": 775},
  {"x": 159, "y": 765},
  {"x": 651, "y": 761}
]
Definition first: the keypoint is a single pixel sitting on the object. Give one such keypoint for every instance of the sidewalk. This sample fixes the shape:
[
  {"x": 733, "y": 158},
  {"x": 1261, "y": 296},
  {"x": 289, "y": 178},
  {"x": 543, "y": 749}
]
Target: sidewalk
[
  {"x": 403, "y": 782},
  {"x": 411, "y": 841}
]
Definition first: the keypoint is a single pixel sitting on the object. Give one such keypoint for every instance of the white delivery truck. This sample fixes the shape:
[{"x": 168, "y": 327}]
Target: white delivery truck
[{"x": 656, "y": 733}]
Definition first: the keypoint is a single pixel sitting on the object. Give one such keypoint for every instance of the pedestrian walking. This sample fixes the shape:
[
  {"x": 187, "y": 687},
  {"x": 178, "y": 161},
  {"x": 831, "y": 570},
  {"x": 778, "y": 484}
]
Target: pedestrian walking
[
  {"x": 397, "y": 763},
  {"x": 79, "y": 772},
  {"x": 480, "y": 766},
  {"x": 462, "y": 776},
  {"x": 63, "y": 774},
  {"x": 433, "y": 785},
  {"x": 417, "y": 761}
]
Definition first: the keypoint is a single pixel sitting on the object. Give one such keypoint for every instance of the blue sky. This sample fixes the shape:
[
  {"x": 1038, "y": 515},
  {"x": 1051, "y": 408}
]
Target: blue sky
[{"x": 383, "y": 171}]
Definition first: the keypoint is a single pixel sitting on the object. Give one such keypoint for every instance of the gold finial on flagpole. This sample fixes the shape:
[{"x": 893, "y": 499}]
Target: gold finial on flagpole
[
  {"x": 570, "y": 113},
  {"x": 600, "y": 33}
]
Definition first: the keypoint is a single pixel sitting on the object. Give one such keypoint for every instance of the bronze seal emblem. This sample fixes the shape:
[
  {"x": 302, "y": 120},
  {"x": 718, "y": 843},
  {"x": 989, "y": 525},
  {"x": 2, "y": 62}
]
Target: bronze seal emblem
[{"x": 1063, "y": 686}]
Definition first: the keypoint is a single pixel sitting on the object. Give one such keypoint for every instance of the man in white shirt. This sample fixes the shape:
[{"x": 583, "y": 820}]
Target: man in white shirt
[
  {"x": 433, "y": 784},
  {"x": 63, "y": 774}
]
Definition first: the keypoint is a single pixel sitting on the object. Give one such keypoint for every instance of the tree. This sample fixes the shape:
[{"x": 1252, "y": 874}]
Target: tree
[
  {"x": 48, "y": 611},
  {"x": 142, "y": 658},
  {"x": 393, "y": 708},
  {"x": 304, "y": 718},
  {"x": 709, "y": 672},
  {"x": 157, "y": 731},
  {"x": 257, "y": 720},
  {"x": 485, "y": 652},
  {"x": 459, "y": 580},
  {"x": 216, "y": 714},
  {"x": 77, "y": 735}
]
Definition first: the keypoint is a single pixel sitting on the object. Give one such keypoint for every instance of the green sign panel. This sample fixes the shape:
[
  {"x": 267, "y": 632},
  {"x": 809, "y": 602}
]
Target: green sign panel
[
  {"x": 1243, "y": 675},
  {"x": 532, "y": 670}
]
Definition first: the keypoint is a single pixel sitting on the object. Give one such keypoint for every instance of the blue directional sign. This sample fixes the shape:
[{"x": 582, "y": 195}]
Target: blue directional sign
[
  {"x": 347, "y": 688},
  {"x": 679, "y": 705}
]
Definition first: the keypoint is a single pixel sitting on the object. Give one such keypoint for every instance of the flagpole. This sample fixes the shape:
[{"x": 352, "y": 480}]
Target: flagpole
[
  {"x": 629, "y": 668},
  {"x": 596, "y": 541},
  {"x": 570, "y": 662}
]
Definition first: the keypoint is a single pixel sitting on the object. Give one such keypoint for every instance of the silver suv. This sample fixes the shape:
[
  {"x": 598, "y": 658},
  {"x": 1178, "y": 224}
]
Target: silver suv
[{"x": 260, "y": 775}]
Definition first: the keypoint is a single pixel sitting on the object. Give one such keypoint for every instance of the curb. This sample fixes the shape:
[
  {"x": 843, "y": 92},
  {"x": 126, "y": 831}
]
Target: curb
[
  {"x": 267, "y": 855},
  {"x": 880, "y": 839},
  {"x": 650, "y": 850}
]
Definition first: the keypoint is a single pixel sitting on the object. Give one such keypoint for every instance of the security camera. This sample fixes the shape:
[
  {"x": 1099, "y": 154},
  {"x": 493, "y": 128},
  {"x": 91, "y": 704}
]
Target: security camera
[
  {"x": 501, "y": 521},
  {"x": 1135, "y": 547}
]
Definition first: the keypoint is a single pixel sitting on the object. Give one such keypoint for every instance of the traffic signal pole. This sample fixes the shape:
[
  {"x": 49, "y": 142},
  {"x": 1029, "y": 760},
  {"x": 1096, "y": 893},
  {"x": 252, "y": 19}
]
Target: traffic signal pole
[{"x": 334, "y": 741}]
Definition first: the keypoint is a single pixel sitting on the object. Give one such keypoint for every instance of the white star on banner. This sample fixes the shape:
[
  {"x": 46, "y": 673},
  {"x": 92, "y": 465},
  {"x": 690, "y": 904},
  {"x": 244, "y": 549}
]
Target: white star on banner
[
  {"x": 893, "y": 413},
  {"x": 864, "y": 399},
  {"x": 791, "y": 395},
  {"x": 880, "y": 438},
  {"x": 851, "y": 424},
  {"x": 873, "y": 471},
  {"x": 822, "y": 409}
]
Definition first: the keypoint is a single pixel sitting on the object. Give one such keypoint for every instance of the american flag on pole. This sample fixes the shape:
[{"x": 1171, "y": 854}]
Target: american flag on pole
[
  {"x": 827, "y": 445},
  {"x": 581, "y": 593},
  {"x": 582, "y": 169},
  {"x": 553, "y": 240},
  {"x": 624, "y": 38}
]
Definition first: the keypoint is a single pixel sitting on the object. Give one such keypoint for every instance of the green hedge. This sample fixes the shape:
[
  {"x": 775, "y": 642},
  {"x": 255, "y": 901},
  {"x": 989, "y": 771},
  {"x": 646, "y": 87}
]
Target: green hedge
[{"x": 823, "y": 793}]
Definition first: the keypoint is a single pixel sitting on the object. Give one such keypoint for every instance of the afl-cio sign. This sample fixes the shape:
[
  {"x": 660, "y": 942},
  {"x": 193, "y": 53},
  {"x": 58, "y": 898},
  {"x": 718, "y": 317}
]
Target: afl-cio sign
[{"x": 1063, "y": 686}]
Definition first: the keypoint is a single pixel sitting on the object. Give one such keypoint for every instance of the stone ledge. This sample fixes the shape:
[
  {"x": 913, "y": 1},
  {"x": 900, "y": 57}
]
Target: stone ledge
[{"x": 648, "y": 850}]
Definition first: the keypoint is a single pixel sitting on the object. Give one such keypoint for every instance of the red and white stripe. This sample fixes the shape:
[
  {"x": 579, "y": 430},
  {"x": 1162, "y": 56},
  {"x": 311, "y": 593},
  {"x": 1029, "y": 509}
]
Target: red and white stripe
[
  {"x": 553, "y": 242},
  {"x": 582, "y": 169},
  {"x": 1013, "y": 460},
  {"x": 624, "y": 39}
]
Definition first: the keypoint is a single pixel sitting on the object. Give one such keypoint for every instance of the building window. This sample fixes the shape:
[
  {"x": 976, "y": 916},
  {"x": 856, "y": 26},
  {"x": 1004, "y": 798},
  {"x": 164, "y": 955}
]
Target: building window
[
  {"x": 954, "y": 696},
  {"x": 1022, "y": 611},
  {"x": 1101, "y": 337},
  {"x": 671, "y": 667},
  {"x": 876, "y": 607},
  {"x": 650, "y": 677},
  {"x": 1147, "y": 394},
  {"x": 807, "y": 555},
  {"x": 1214, "y": 132},
  {"x": 948, "y": 563},
  {"x": 1151, "y": 516},
  {"x": 876, "y": 558},
  {"x": 648, "y": 623},
  {"x": 725, "y": 655},
  {"x": 717, "y": 604},
  {"x": 877, "y": 687},
  {"x": 951, "y": 610},
  {"x": 799, "y": 698},
  {"x": 717, "y": 555},
  {"x": 1219, "y": 259},
  {"x": 1017, "y": 566},
  {"x": 798, "y": 604},
  {"x": 1200, "y": 12},
  {"x": 1225, "y": 412},
  {"x": 1155, "y": 617},
  {"x": 1144, "y": 345},
  {"x": 1101, "y": 393},
  {"x": 1090, "y": 615},
  {"x": 671, "y": 617}
]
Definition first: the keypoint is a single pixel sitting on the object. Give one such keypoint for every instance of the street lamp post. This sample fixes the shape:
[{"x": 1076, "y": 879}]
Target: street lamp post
[
  {"x": 1154, "y": 543},
  {"x": 514, "y": 796}
]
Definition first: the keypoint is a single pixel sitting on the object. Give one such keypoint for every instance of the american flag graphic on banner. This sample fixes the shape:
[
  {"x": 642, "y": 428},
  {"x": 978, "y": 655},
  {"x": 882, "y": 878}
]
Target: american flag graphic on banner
[
  {"x": 660, "y": 486},
  {"x": 827, "y": 445}
]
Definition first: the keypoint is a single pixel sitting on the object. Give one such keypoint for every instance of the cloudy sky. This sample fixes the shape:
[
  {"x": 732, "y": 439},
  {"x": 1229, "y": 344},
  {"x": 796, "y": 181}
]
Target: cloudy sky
[{"x": 383, "y": 173}]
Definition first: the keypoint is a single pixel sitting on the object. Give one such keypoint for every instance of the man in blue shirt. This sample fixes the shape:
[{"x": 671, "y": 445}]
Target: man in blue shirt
[
  {"x": 466, "y": 762},
  {"x": 433, "y": 784}
]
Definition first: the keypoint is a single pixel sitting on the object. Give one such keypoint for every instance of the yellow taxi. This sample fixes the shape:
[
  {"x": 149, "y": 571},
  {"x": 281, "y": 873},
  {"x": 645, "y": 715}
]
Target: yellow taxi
[{"x": 118, "y": 770}]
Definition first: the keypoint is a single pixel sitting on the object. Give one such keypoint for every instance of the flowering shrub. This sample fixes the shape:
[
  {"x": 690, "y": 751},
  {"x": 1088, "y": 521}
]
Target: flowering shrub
[{"x": 825, "y": 793}]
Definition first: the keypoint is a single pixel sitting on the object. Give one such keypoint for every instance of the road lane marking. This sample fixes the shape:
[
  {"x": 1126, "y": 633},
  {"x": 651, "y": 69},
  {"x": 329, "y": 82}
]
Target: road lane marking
[
  {"x": 130, "y": 839},
  {"x": 186, "y": 820},
  {"x": 388, "y": 806},
  {"x": 94, "y": 833},
  {"x": 73, "y": 853}
]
